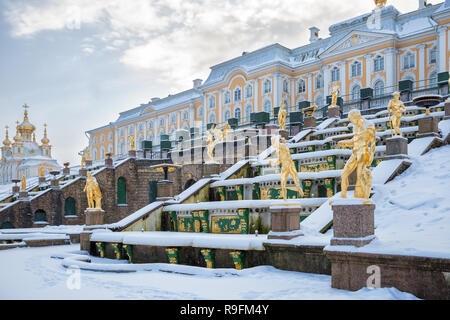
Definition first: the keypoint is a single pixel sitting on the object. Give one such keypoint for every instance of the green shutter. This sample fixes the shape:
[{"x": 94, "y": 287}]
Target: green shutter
[
  {"x": 69, "y": 207},
  {"x": 40, "y": 216},
  {"x": 121, "y": 191}
]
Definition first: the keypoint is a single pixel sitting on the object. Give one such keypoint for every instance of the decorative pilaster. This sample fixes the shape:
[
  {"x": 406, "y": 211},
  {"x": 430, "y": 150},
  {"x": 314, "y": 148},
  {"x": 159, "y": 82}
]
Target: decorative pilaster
[
  {"x": 222, "y": 193},
  {"x": 100, "y": 249},
  {"x": 329, "y": 185},
  {"x": 117, "y": 247},
  {"x": 129, "y": 251},
  {"x": 307, "y": 186},
  {"x": 209, "y": 255},
  {"x": 238, "y": 259},
  {"x": 239, "y": 192},
  {"x": 172, "y": 255},
  {"x": 201, "y": 221},
  {"x": 243, "y": 216}
]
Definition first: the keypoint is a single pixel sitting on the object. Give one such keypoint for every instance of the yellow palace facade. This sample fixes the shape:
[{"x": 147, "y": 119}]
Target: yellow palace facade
[{"x": 375, "y": 50}]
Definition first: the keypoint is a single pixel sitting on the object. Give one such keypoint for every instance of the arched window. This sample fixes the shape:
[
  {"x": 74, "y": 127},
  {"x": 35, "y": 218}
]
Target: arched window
[
  {"x": 319, "y": 82},
  {"x": 121, "y": 191},
  {"x": 70, "y": 207},
  {"x": 227, "y": 115},
  {"x": 335, "y": 74},
  {"x": 286, "y": 86},
  {"x": 95, "y": 155},
  {"x": 110, "y": 148},
  {"x": 249, "y": 91},
  {"x": 227, "y": 97},
  {"x": 40, "y": 216},
  {"x": 268, "y": 107},
  {"x": 212, "y": 118},
  {"x": 301, "y": 86},
  {"x": 356, "y": 69},
  {"x": 379, "y": 88},
  {"x": 267, "y": 86},
  {"x": 237, "y": 114},
  {"x": 248, "y": 112},
  {"x": 356, "y": 93},
  {"x": 378, "y": 64},
  {"x": 237, "y": 95},
  {"x": 212, "y": 102},
  {"x": 102, "y": 153}
]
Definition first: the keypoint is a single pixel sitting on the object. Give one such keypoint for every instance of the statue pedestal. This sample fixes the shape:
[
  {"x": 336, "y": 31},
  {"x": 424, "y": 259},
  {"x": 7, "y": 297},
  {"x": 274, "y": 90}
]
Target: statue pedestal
[
  {"x": 109, "y": 163},
  {"x": 132, "y": 153},
  {"x": 66, "y": 171},
  {"x": 54, "y": 184},
  {"x": 396, "y": 148},
  {"x": 88, "y": 163},
  {"x": 334, "y": 112},
  {"x": 15, "y": 189},
  {"x": 447, "y": 110},
  {"x": 23, "y": 195},
  {"x": 210, "y": 169},
  {"x": 83, "y": 172},
  {"x": 284, "y": 134},
  {"x": 353, "y": 222},
  {"x": 42, "y": 180},
  {"x": 428, "y": 127},
  {"x": 309, "y": 123},
  {"x": 165, "y": 190},
  {"x": 285, "y": 222},
  {"x": 94, "y": 217}
]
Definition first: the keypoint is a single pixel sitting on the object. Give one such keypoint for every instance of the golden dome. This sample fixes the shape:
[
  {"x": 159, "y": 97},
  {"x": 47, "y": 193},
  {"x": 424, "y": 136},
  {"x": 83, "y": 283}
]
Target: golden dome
[
  {"x": 45, "y": 140},
  {"x": 6, "y": 142},
  {"x": 18, "y": 138},
  {"x": 26, "y": 128},
  {"x": 380, "y": 3}
]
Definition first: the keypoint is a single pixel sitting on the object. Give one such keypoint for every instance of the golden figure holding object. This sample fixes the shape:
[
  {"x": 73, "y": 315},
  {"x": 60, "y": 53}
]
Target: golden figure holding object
[
  {"x": 282, "y": 115},
  {"x": 93, "y": 193},
  {"x": 132, "y": 142},
  {"x": 395, "y": 110},
  {"x": 83, "y": 158},
  {"x": 334, "y": 97},
  {"x": 363, "y": 144},
  {"x": 287, "y": 165},
  {"x": 23, "y": 186}
]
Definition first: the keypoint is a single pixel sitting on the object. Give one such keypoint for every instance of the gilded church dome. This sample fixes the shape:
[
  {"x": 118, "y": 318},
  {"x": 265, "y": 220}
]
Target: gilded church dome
[
  {"x": 6, "y": 142},
  {"x": 26, "y": 128}
]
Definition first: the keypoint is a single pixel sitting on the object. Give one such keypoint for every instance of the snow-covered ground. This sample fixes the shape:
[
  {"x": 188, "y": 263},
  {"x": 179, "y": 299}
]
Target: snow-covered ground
[{"x": 31, "y": 273}]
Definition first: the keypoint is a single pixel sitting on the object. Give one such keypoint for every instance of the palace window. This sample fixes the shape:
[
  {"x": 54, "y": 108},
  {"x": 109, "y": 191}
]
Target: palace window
[
  {"x": 102, "y": 153},
  {"x": 268, "y": 107},
  {"x": 267, "y": 86},
  {"x": 379, "y": 88},
  {"x": 249, "y": 91},
  {"x": 319, "y": 81},
  {"x": 378, "y": 64},
  {"x": 318, "y": 101},
  {"x": 237, "y": 94},
  {"x": 356, "y": 69},
  {"x": 102, "y": 138},
  {"x": 248, "y": 111},
  {"x": 173, "y": 119},
  {"x": 286, "y": 86},
  {"x": 433, "y": 55},
  {"x": 110, "y": 137},
  {"x": 302, "y": 86},
  {"x": 227, "y": 97},
  {"x": 95, "y": 140},
  {"x": 335, "y": 74},
  {"x": 227, "y": 115},
  {"x": 185, "y": 115},
  {"x": 150, "y": 124},
  {"x": 212, "y": 102},
  {"x": 433, "y": 79},
  {"x": 110, "y": 148},
  {"x": 131, "y": 129},
  {"x": 409, "y": 61},
  {"x": 161, "y": 122},
  {"x": 356, "y": 93},
  {"x": 237, "y": 114},
  {"x": 212, "y": 118}
]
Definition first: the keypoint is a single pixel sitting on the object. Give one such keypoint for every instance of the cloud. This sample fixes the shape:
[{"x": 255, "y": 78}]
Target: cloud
[{"x": 178, "y": 40}]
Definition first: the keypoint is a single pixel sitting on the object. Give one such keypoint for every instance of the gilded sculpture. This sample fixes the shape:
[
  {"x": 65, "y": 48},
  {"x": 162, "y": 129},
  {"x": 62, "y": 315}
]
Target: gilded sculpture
[
  {"x": 363, "y": 144},
  {"x": 23, "y": 182},
  {"x": 287, "y": 165},
  {"x": 282, "y": 115},
  {"x": 334, "y": 97},
  {"x": 132, "y": 142},
  {"x": 210, "y": 145},
  {"x": 83, "y": 158},
  {"x": 395, "y": 111},
  {"x": 93, "y": 193},
  {"x": 41, "y": 171},
  {"x": 309, "y": 111},
  {"x": 380, "y": 4},
  {"x": 215, "y": 136}
]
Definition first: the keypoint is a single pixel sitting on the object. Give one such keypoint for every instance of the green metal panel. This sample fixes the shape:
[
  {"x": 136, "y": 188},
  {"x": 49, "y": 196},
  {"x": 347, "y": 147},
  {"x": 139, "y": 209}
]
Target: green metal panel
[
  {"x": 443, "y": 77},
  {"x": 121, "y": 191},
  {"x": 405, "y": 85},
  {"x": 166, "y": 145},
  {"x": 164, "y": 137},
  {"x": 296, "y": 117},
  {"x": 366, "y": 93},
  {"x": 210, "y": 126},
  {"x": 40, "y": 216},
  {"x": 7, "y": 225},
  {"x": 146, "y": 145},
  {"x": 69, "y": 207},
  {"x": 233, "y": 122},
  {"x": 304, "y": 104},
  {"x": 340, "y": 101},
  {"x": 152, "y": 191}
]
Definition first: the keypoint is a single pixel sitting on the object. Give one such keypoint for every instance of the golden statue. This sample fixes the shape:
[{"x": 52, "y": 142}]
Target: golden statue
[
  {"x": 282, "y": 115},
  {"x": 334, "y": 97},
  {"x": 41, "y": 171},
  {"x": 225, "y": 130},
  {"x": 380, "y": 4},
  {"x": 396, "y": 108},
  {"x": 83, "y": 158},
  {"x": 210, "y": 145},
  {"x": 23, "y": 186},
  {"x": 87, "y": 153},
  {"x": 132, "y": 142},
  {"x": 287, "y": 165},
  {"x": 309, "y": 112},
  {"x": 363, "y": 143},
  {"x": 93, "y": 192}
]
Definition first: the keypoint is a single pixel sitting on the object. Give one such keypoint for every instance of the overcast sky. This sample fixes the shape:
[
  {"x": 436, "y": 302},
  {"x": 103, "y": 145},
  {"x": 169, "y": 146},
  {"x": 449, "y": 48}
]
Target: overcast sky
[{"x": 78, "y": 63}]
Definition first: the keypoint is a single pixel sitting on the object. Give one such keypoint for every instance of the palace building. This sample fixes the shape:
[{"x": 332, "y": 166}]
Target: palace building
[
  {"x": 369, "y": 56},
  {"x": 24, "y": 156}
]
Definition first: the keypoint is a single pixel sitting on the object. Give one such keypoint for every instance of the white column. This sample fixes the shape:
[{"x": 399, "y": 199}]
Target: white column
[
  {"x": 191, "y": 115},
  {"x": 343, "y": 79},
  {"x": 369, "y": 67},
  {"x": 422, "y": 62},
  {"x": 205, "y": 120},
  {"x": 293, "y": 92},
  {"x": 256, "y": 95},
  {"x": 442, "y": 49},
  {"x": 220, "y": 105},
  {"x": 389, "y": 66},
  {"x": 310, "y": 87},
  {"x": 276, "y": 91},
  {"x": 326, "y": 83}
]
